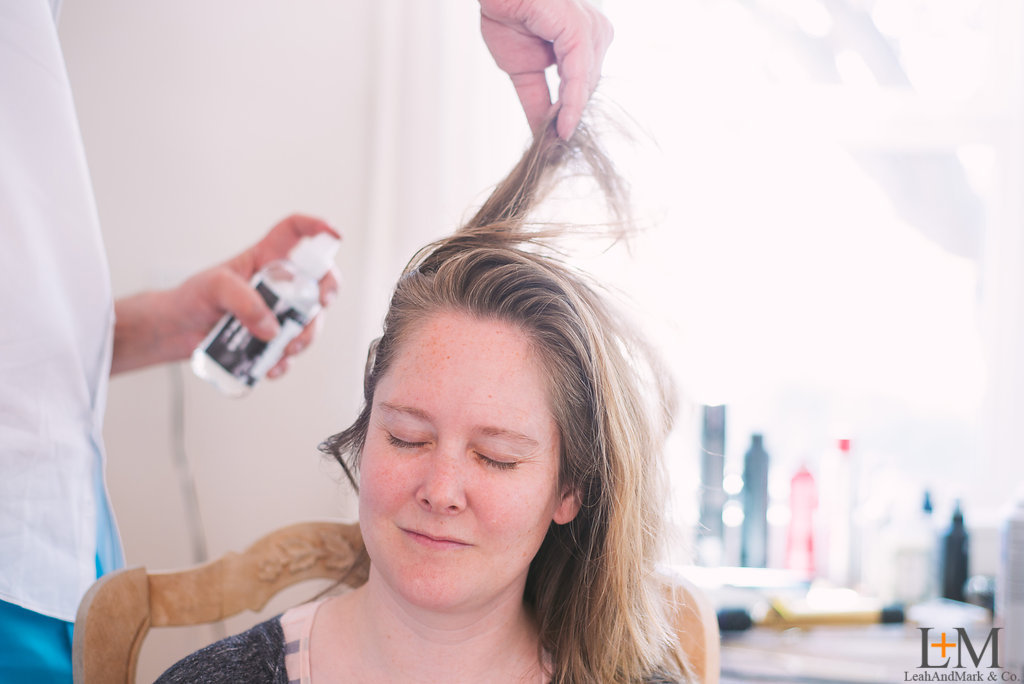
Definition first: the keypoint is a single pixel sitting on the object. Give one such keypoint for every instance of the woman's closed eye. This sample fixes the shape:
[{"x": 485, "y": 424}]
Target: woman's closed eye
[
  {"x": 403, "y": 444},
  {"x": 496, "y": 463}
]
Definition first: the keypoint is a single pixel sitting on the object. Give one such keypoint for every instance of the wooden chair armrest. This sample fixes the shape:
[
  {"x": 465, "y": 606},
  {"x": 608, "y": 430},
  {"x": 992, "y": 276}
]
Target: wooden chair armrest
[{"x": 111, "y": 644}]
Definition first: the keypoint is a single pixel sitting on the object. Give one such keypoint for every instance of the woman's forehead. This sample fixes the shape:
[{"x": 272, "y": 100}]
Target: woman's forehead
[
  {"x": 452, "y": 337},
  {"x": 477, "y": 364}
]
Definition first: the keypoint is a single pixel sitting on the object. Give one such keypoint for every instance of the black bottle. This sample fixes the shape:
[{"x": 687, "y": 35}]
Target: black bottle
[
  {"x": 954, "y": 557},
  {"x": 754, "y": 548}
]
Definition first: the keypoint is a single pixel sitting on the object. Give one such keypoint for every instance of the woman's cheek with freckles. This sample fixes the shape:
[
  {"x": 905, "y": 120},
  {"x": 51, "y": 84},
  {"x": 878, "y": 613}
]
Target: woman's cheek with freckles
[{"x": 381, "y": 482}]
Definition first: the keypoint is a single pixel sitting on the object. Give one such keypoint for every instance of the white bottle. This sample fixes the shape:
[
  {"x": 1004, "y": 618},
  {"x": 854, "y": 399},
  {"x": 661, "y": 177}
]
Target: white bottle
[
  {"x": 1010, "y": 590},
  {"x": 910, "y": 556},
  {"x": 232, "y": 359},
  {"x": 839, "y": 551}
]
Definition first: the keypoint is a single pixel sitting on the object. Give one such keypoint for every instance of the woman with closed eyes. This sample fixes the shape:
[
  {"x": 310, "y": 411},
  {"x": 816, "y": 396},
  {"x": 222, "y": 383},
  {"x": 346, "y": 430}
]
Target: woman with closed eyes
[{"x": 507, "y": 461}]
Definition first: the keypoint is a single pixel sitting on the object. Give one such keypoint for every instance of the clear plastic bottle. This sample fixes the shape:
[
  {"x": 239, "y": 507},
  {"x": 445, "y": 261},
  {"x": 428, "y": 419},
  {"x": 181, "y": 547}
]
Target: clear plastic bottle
[
  {"x": 230, "y": 358},
  {"x": 910, "y": 555}
]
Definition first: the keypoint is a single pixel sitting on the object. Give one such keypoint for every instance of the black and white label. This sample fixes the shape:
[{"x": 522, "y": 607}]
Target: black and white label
[{"x": 247, "y": 358}]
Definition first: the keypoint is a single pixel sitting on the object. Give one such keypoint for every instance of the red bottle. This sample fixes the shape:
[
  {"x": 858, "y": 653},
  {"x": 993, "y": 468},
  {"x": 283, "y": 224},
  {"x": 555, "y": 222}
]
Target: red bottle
[{"x": 803, "y": 501}]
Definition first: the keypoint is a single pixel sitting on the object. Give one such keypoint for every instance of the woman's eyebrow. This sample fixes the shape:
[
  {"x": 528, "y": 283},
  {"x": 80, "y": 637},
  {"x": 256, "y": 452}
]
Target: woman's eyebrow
[
  {"x": 407, "y": 410},
  {"x": 510, "y": 436}
]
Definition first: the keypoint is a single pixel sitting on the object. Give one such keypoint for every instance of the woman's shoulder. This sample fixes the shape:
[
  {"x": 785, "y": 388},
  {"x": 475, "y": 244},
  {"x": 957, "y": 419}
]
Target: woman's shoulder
[{"x": 256, "y": 655}]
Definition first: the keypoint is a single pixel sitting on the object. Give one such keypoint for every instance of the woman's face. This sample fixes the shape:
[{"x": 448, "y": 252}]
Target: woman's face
[{"x": 459, "y": 473}]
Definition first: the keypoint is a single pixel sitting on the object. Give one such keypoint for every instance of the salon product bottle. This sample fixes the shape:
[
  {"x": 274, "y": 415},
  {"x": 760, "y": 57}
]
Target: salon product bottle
[
  {"x": 803, "y": 500},
  {"x": 1010, "y": 589},
  {"x": 711, "y": 543},
  {"x": 230, "y": 357},
  {"x": 838, "y": 491},
  {"x": 754, "y": 544},
  {"x": 911, "y": 555},
  {"x": 954, "y": 557}
]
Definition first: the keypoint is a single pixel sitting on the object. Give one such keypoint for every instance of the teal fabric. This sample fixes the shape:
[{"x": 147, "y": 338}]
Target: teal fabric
[
  {"x": 108, "y": 546},
  {"x": 37, "y": 648},
  {"x": 34, "y": 648}
]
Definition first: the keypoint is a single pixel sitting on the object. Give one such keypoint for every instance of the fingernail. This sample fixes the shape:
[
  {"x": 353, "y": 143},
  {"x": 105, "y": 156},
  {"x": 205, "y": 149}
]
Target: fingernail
[{"x": 296, "y": 346}]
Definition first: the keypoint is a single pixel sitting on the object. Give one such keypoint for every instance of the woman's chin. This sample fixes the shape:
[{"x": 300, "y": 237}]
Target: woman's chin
[{"x": 434, "y": 593}]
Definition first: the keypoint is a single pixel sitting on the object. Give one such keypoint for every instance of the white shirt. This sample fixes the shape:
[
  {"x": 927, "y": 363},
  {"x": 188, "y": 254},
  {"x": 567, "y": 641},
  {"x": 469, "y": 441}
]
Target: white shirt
[{"x": 56, "y": 326}]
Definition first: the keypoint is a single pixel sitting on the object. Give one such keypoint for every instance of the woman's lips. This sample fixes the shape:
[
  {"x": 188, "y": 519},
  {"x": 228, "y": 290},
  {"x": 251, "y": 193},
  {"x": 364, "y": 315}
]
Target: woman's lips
[{"x": 430, "y": 541}]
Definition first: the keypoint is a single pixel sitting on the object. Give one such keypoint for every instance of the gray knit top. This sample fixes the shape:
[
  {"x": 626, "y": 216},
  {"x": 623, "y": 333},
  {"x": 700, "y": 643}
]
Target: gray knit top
[{"x": 255, "y": 656}]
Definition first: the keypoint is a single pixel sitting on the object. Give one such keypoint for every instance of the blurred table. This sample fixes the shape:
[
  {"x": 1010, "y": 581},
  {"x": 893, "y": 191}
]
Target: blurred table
[
  {"x": 833, "y": 655},
  {"x": 848, "y": 654}
]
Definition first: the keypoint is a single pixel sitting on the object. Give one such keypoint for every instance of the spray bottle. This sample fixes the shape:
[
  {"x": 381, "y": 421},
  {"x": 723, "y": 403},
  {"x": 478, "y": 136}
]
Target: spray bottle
[
  {"x": 754, "y": 550},
  {"x": 232, "y": 359},
  {"x": 838, "y": 489},
  {"x": 803, "y": 501},
  {"x": 955, "y": 559}
]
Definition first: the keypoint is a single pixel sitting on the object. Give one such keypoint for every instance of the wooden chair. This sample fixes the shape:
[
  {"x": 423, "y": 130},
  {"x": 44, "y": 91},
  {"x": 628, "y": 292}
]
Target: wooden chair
[{"x": 120, "y": 608}]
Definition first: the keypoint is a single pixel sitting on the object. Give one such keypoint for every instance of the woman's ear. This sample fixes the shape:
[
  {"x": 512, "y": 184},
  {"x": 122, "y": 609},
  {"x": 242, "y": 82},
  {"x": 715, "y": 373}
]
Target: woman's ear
[{"x": 568, "y": 508}]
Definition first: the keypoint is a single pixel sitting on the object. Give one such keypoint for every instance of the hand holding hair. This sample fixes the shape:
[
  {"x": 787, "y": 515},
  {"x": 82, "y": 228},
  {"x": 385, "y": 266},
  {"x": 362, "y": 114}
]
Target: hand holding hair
[{"x": 527, "y": 36}]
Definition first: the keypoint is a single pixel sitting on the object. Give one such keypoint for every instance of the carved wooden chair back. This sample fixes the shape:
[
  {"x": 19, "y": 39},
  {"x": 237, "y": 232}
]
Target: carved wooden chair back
[{"x": 120, "y": 608}]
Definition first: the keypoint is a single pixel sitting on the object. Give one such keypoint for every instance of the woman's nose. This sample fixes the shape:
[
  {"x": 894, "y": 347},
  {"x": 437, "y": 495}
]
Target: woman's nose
[{"x": 442, "y": 488}]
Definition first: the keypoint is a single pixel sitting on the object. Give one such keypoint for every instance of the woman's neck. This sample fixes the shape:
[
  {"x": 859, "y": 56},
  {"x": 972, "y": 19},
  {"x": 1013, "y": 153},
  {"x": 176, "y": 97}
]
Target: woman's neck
[{"x": 384, "y": 639}]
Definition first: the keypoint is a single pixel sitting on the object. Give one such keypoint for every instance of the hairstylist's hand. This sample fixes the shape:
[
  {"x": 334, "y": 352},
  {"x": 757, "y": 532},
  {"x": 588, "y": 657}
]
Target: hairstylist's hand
[
  {"x": 166, "y": 326},
  {"x": 527, "y": 36}
]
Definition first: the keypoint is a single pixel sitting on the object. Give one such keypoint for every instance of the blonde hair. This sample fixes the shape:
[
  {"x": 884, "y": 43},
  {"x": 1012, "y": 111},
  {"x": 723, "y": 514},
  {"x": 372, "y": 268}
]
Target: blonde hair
[{"x": 601, "y": 611}]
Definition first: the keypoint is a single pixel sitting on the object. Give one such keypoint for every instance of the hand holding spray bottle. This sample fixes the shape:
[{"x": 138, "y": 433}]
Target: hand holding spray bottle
[{"x": 232, "y": 359}]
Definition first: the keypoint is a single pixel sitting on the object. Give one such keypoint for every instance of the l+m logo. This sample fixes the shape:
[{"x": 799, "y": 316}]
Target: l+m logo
[{"x": 932, "y": 644}]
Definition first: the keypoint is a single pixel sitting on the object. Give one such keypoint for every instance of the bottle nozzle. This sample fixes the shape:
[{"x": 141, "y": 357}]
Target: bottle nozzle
[{"x": 315, "y": 255}]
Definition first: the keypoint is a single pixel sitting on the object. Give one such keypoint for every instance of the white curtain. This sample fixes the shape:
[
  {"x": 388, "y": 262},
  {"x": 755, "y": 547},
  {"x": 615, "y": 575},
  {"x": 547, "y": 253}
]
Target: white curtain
[{"x": 445, "y": 126}]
